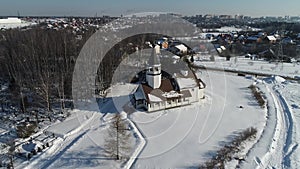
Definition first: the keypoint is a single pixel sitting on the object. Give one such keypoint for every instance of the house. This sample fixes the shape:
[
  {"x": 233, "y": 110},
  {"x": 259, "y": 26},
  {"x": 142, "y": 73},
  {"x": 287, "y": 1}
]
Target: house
[
  {"x": 268, "y": 54},
  {"x": 158, "y": 93},
  {"x": 177, "y": 48},
  {"x": 253, "y": 39},
  {"x": 271, "y": 39},
  {"x": 287, "y": 40}
]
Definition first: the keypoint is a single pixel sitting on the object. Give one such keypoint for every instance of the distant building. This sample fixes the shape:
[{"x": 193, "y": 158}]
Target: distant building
[
  {"x": 225, "y": 17},
  {"x": 287, "y": 40},
  {"x": 209, "y": 16},
  {"x": 271, "y": 39},
  {"x": 253, "y": 39},
  {"x": 247, "y": 17},
  {"x": 158, "y": 93},
  {"x": 238, "y": 17},
  {"x": 10, "y": 21}
]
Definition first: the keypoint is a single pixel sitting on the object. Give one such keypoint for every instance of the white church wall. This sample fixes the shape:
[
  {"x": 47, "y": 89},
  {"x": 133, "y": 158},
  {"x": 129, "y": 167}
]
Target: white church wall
[
  {"x": 201, "y": 93},
  {"x": 194, "y": 92},
  {"x": 154, "y": 81},
  {"x": 168, "y": 104}
]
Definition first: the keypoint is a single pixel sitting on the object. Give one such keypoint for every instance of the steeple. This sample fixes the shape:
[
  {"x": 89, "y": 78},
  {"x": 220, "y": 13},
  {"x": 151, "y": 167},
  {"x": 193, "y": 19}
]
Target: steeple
[
  {"x": 153, "y": 75},
  {"x": 154, "y": 59}
]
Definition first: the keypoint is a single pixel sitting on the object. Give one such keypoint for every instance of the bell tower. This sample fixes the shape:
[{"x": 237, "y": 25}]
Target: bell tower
[{"x": 153, "y": 75}]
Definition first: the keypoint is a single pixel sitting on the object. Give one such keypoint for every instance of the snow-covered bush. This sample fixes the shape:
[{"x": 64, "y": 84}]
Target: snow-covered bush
[
  {"x": 227, "y": 152},
  {"x": 258, "y": 96}
]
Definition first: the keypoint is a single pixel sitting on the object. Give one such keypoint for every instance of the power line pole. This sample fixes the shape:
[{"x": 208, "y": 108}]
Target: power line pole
[{"x": 280, "y": 54}]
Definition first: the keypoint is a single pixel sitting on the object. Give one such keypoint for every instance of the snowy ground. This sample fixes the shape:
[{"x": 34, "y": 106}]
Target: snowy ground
[
  {"x": 288, "y": 94},
  {"x": 81, "y": 147},
  {"x": 278, "y": 146},
  {"x": 181, "y": 137},
  {"x": 246, "y": 64},
  {"x": 186, "y": 137},
  {"x": 82, "y": 136}
]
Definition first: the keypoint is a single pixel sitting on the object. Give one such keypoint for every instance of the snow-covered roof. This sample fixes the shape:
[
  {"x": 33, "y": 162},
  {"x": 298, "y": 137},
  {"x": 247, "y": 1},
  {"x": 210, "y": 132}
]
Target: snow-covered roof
[
  {"x": 184, "y": 72},
  {"x": 219, "y": 50},
  {"x": 271, "y": 38},
  {"x": 229, "y": 29},
  {"x": 176, "y": 57},
  {"x": 153, "y": 98},
  {"x": 223, "y": 47},
  {"x": 166, "y": 86},
  {"x": 181, "y": 47},
  {"x": 171, "y": 94},
  {"x": 185, "y": 83}
]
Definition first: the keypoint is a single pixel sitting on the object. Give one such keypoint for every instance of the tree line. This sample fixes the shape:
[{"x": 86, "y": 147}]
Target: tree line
[{"x": 38, "y": 63}]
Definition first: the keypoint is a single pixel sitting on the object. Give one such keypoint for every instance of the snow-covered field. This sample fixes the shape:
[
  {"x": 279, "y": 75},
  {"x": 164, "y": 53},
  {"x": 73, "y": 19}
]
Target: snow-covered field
[
  {"x": 186, "y": 137},
  {"x": 246, "y": 64}
]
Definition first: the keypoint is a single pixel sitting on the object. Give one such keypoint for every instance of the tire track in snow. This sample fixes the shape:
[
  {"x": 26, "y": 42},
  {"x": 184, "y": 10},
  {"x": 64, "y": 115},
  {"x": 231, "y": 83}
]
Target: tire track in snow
[
  {"x": 290, "y": 142},
  {"x": 267, "y": 152},
  {"x": 273, "y": 157}
]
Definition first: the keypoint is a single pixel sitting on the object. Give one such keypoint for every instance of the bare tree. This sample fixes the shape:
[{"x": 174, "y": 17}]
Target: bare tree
[
  {"x": 16, "y": 66},
  {"x": 65, "y": 51},
  {"x": 40, "y": 63}
]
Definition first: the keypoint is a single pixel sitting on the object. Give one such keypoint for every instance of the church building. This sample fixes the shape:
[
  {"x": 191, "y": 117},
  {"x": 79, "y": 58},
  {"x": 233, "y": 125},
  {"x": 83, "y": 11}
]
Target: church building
[{"x": 158, "y": 93}]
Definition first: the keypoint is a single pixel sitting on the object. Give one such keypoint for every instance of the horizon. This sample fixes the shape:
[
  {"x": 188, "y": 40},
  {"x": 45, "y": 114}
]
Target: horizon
[
  {"x": 121, "y": 15},
  {"x": 254, "y": 8}
]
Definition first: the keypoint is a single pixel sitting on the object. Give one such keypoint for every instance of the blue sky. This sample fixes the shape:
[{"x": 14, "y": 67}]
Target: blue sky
[{"x": 118, "y": 7}]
